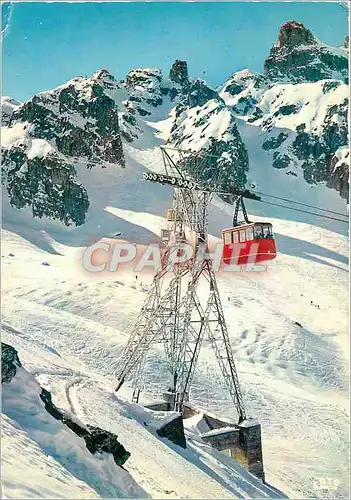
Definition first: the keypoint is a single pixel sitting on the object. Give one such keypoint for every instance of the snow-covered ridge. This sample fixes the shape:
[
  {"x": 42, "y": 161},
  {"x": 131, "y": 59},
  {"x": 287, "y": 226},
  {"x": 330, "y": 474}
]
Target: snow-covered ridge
[
  {"x": 309, "y": 103},
  {"x": 54, "y": 461}
]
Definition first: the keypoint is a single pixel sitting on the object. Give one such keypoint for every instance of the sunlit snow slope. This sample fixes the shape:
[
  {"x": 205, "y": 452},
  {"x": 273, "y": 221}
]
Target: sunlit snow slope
[{"x": 69, "y": 327}]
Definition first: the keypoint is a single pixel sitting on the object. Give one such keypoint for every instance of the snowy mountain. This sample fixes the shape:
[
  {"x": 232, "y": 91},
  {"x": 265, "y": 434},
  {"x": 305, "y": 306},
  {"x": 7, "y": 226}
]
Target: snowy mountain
[
  {"x": 8, "y": 105},
  {"x": 304, "y": 124},
  {"x": 298, "y": 56},
  {"x": 74, "y": 156},
  {"x": 202, "y": 122},
  {"x": 69, "y": 328}
]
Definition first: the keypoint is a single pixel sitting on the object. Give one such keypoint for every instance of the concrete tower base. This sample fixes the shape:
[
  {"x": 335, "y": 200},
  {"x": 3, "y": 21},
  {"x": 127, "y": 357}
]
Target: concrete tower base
[{"x": 243, "y": 441}]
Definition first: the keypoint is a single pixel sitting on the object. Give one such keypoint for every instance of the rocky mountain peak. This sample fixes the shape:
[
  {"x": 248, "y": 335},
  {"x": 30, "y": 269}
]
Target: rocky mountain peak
[
  {"x": 46, "y": 135},
  {"x": 298, "y": 56},
  {"x": 8, "y": 106},
  {"x": 103, "y": 76},
  {"x": 147, "y": 90},
  {"x": 292, "y": 34},
  {"x": 143, "y": 77},
  {"x": 179, "y": 72}
]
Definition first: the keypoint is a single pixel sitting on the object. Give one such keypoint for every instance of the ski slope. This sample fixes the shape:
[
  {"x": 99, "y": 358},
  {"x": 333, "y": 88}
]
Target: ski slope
[{"x": 70, "y": 326}]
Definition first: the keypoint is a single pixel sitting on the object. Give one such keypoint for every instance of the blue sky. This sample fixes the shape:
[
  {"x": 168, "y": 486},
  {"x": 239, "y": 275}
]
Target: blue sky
[{"x": 46, "y": 44}]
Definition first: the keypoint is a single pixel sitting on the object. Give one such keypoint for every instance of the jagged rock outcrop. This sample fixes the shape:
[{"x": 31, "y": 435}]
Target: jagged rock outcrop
[
  {"x": 8, "y": 106},
  {"x": 301, "y": 103},
  {"x": 97, "y": 440},
  {"x": 197, "y": 94},
  {"x": 9, "y": 362},
  {"x": 46, "y": 135},
  {"x": 298, "y": 56},
  {"x": 339, "y": 172},
  {"x": 47, "y": 184},
  {"x": 243, "y": 90},
  {"x": 210, "y": 130},
  {"x": 306, "y": 125},
  {"x": 147, "y": 90},
  {"x": 179, "y": 73},
  {"x": 79, "y": 118},
  {"x": 87, "y": 118}
]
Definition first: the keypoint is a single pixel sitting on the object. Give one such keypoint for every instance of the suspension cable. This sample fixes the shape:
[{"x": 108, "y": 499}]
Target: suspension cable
[
  {"x": 298, "y": 203},
  {"x": 303, "y": 211},
  {"x": 259, "y": 192}
]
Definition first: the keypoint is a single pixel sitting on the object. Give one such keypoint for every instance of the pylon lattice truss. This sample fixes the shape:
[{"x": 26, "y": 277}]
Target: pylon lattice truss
[{"x": 176, "y": 315}]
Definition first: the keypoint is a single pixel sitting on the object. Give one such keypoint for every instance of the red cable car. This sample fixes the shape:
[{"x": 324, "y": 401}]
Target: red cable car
[
  {"x": 258, "y": 239},
  {"x": 248, "y": 242}
]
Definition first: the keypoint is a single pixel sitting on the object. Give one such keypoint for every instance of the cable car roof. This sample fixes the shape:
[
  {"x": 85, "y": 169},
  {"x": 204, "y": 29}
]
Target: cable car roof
[{"x": 243, "y": 226}]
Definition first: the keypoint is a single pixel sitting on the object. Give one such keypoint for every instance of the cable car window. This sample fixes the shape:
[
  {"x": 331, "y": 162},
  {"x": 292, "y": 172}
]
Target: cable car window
[
  {"x": 242, "y": 236},
  {"x": 267, "y": 231},
  {"x": 249, "y": 234},
  {"x": 227, "y": 238},
  {"x": 235, "y": 237},
  {"x": 258, "y": 232}
]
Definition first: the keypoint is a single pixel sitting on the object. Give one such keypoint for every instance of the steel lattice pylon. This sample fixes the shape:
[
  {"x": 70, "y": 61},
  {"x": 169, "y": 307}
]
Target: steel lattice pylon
[{"x": 176, "y": 316}]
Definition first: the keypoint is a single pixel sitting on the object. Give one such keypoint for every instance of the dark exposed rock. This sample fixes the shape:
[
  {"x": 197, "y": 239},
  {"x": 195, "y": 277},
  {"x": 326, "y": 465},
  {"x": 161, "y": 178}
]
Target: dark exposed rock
[
  {"x": 311, "y": 146},
  {"x": 286, "y": 110},
  {"x": 45, "y": 396},
  {"x": 235, "y": 88},
  {"x": 96, "y": 439},
  {"x": 330, "y": 85},
  {"x": 147, "y": 88},
  {"x": 197, "y": 94},
  {"x": 244, "y": 105},
  {"x": 8, "y": 105},
  {"x": 317, "y": 151},
  {"x": 9, "y": 362},
  {"x": 76, "y": 120},
  {"x": 174, "y": 431},
  {"x": 280, "y": 160},
  {"x": 46, "y": 184},
  {"x": 99, "y": 440},
  {"x": 274, "y": 142},
  {"x": 225, "y": 157},
  {"x": 339, "y": 172},
  {"x": 293, "y": 34},
  {"x": 299, "y": 57},
  {"x": 346, "y": 42},
  {"x": 94, "y": 135},
  {"x": 143, "y": 112},
  {"x": 179, "y": 72},
  {"x": 255, "y": 115},
  {"x": 248, "y": 87},
  {"x": 138, "y": 77}
]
